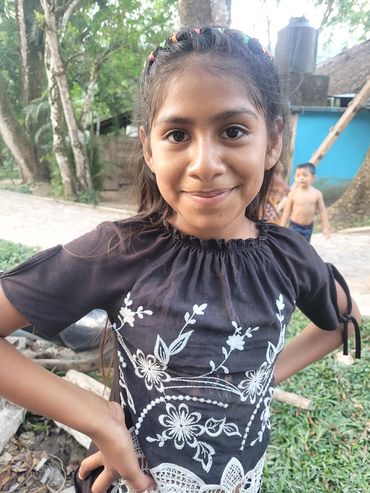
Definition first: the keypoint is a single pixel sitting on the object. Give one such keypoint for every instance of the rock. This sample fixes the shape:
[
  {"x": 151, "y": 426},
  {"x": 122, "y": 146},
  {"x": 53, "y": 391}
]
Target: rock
[
  {"x": 11, "y": 417},
  {"x": 92, "y": 385},
  {"x": 344, "y": 359}
]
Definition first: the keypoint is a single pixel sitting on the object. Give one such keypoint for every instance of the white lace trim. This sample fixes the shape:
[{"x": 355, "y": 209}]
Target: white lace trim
[{"x": 172, "y": 478}]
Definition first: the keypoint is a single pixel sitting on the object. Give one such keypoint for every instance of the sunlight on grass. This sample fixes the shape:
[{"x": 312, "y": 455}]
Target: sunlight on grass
[{"x": 325, "y": 449}]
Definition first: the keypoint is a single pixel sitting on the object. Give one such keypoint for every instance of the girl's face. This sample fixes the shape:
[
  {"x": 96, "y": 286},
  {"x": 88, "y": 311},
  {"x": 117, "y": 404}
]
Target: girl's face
[{"x": 209, "y": 150}]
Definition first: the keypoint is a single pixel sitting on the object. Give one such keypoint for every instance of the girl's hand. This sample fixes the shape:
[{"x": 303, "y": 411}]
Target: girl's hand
[{"x": 116, "y": 454}]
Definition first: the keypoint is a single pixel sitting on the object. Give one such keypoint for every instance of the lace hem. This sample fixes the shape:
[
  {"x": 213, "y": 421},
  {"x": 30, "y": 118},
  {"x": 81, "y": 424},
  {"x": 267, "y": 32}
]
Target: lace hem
[{"x": 172, "y": 478}]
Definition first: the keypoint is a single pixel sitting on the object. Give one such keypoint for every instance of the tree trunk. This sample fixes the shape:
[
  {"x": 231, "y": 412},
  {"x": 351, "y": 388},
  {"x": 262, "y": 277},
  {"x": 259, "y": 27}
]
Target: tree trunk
[
  {"x": 83, "y": 173},
  {"x": 221, "y": 12},
  {"x": 32, "y": 75},
  {"x": 86, "y": 111},
  {"x": 354, "y": 204},
  {"x": 15, "y": 139},
  {"x": 204, "y": 12},
  {"x": 58, "y": 126},
  {"x": 21, "y": 21}
]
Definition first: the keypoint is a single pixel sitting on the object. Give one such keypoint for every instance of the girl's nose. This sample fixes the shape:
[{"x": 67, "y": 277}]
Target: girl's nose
[{"x": 205, "y": 160}]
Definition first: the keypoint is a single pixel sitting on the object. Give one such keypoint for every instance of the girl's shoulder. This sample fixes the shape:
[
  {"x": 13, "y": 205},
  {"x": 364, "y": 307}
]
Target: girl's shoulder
[
  {"x": 290, "y": 249},
  {"x": 107, "y": 237}
]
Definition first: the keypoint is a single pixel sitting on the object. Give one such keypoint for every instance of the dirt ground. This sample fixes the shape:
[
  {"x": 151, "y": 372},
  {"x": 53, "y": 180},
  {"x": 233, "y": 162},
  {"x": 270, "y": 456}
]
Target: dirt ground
[{"x": 40, "y": 458}]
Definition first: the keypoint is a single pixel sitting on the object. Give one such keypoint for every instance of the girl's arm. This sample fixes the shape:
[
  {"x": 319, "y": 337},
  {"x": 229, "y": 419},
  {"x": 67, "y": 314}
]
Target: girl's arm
[
  {"x": 312, "y": 343},
  {"x": 29, "y": 385},
  {"x": 287, "y": 210}
]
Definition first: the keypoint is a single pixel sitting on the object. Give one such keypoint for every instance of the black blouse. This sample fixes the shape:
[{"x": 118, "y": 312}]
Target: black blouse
[{"x": 198, "y": 325}]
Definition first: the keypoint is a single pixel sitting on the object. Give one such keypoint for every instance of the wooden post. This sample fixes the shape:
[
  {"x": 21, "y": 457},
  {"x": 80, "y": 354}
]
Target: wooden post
[
  {"x": 355, "y": 105},
  {"x": 293, "y": 135}
]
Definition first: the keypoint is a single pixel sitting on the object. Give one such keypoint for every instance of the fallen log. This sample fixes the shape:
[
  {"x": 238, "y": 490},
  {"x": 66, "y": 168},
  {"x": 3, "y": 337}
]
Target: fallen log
[
  {"x": 292, "y": 399},
  {"x": 80, "y": 364},
  {"x": 87, "y": 383}
]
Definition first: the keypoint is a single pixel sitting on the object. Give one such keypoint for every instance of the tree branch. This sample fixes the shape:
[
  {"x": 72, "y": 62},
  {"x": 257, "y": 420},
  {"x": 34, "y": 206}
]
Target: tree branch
[
  {"x": 92, "y": 82},
  {"x": 69, "y": 10},
  {"x": 327, "y": 14}
]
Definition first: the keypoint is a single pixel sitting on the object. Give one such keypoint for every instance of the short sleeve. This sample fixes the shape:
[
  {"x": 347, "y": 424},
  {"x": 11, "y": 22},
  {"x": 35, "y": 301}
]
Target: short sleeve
[
  {"x": 60, "y": 285},
  {"x": 313, "y": 281}
]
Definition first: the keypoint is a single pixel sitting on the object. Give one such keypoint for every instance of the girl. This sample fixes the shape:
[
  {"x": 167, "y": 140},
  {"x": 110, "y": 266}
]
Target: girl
[{"x": 198, "y": 290}]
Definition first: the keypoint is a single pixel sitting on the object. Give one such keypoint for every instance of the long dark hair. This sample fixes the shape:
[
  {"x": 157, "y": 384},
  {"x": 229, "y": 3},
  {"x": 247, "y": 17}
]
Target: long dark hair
[{"x": 229, "y": 52}]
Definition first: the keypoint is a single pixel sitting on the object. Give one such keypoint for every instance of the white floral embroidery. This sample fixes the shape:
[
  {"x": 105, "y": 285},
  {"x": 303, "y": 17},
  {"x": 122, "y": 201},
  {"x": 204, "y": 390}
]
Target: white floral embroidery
[
  {"x": 172, "y": 478},
  {"x": 255, "y": 382},
  {"x": 236, "y": 341},
  {"x": 180, "y": 425},
  {"x": 271, "y": 355},
  {"x": 265, "y": 417},
  {"x": 184, "y": 428},
  {"x": 127, "y": 315},
  {"x": 149, "y": 368}
]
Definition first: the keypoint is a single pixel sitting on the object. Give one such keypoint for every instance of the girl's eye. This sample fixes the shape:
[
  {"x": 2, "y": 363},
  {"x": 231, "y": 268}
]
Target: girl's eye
[
  {"x": 233, "y": 133},
  {"x": 177, "y": 136}
]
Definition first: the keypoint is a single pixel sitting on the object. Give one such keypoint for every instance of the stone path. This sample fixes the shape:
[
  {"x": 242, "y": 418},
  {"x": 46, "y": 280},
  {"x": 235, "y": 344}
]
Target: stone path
[{"x": 43, "y": 222}]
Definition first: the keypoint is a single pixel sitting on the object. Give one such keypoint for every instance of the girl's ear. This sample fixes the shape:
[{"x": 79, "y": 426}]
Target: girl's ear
[
  {"x": 275, "y": 144},
  {"x": 147, "y": 152}
]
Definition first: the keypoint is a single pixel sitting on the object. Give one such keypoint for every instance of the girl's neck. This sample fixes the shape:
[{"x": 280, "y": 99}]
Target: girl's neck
[{"x": 247, "y": 229}]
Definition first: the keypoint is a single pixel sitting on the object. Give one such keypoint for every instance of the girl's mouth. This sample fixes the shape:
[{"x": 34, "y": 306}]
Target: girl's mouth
[{"x": 210, "y": 196}]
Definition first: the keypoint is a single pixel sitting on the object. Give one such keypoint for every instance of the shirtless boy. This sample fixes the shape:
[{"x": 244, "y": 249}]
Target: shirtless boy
[{"x": 302, "y": 203}]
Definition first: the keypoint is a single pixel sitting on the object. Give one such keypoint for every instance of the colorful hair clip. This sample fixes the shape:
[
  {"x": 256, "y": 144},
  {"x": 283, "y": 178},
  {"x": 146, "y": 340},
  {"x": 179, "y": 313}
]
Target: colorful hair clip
[
  {"x": 197, "y": 30},
  {"x": 173, "y": 38},
  {"x": 162, "y": 45},
  {"x": 246, "y": 38},
  {"x": 268, "y": 54},
  {"x": 151, "y": 57}
]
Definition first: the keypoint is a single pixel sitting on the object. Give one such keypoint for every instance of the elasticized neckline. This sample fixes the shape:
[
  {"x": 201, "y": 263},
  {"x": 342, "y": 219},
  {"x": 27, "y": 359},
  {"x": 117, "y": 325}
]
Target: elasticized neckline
[{"x": 215, "y": 244}]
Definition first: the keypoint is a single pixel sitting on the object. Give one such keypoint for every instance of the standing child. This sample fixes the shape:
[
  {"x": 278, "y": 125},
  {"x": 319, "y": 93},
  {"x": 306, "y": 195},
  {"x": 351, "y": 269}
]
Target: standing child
[
  {"x": 276, "y": 196},
  {"x": 198, "y": 290},
  {"x": 302, "y": 203}
]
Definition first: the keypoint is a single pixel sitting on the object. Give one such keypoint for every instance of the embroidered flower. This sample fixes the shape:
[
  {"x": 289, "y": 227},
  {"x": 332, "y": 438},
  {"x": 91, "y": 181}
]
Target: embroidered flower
[
  {"x": 128, "y": 316},
  {"x": 253, "y": 384},
  {"x": 182, "y": 426},
  {"x": 236, "y": 341},
  {"x": 152, "y": 370}
]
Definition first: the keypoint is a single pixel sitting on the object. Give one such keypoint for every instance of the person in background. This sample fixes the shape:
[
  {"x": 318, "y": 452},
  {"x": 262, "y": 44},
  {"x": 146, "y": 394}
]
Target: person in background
[
  {"x": 303, "y": 202},
  {"x": 276, "y": 196}
]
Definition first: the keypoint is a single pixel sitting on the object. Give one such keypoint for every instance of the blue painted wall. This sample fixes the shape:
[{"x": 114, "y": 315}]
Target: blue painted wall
[{"x": 346, "y": 155}]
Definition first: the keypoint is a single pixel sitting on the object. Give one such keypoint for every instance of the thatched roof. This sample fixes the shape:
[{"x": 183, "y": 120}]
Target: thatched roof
[{"x": 348, "y": 71}]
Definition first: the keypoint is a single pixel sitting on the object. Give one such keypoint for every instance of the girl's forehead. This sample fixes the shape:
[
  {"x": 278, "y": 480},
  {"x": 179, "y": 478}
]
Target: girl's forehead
[{"x": 197, "y": 87}]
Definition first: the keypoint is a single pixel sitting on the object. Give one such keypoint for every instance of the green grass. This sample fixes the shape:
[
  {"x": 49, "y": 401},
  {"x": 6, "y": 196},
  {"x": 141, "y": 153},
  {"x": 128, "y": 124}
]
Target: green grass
[
  {"x": 324, "y": 449},
  {"x": 12, "y": 254}
]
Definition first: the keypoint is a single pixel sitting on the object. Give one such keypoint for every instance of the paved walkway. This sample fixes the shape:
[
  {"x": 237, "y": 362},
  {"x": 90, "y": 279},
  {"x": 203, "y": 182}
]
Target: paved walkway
[{"x": 43, "y": 222}]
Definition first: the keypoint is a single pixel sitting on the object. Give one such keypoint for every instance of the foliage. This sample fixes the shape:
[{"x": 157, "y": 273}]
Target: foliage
[
  {"x": 325, "y": 449},
  {"x": 352, "y": 14},
  {"x": 21, "y": 188},
  {"x": 8, "y": 168},
  {"x": 88, "y": 198},
  {"x": 12, "y": 254},
  {"x": 103, "y": 46}
]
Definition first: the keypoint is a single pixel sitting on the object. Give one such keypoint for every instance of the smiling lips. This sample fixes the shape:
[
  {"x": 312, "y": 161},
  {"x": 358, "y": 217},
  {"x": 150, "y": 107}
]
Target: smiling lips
[{"x": 210, "y": 196}]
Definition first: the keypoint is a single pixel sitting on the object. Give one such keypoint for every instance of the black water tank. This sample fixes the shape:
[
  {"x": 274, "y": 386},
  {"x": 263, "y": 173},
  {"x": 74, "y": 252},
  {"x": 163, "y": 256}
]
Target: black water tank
[{"x": 296, "y": 47}]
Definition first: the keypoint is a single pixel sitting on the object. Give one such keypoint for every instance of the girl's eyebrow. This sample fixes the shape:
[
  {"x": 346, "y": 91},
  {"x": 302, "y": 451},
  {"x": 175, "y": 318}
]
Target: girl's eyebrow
[{"x": 225, "y": 115}]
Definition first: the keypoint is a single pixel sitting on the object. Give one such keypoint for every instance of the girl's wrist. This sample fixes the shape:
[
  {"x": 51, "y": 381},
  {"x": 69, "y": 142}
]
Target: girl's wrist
[{"x": 108, "y": 417}]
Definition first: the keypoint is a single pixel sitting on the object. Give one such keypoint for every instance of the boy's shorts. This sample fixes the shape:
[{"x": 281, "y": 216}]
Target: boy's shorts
[{"x": 303, "y": 229}]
